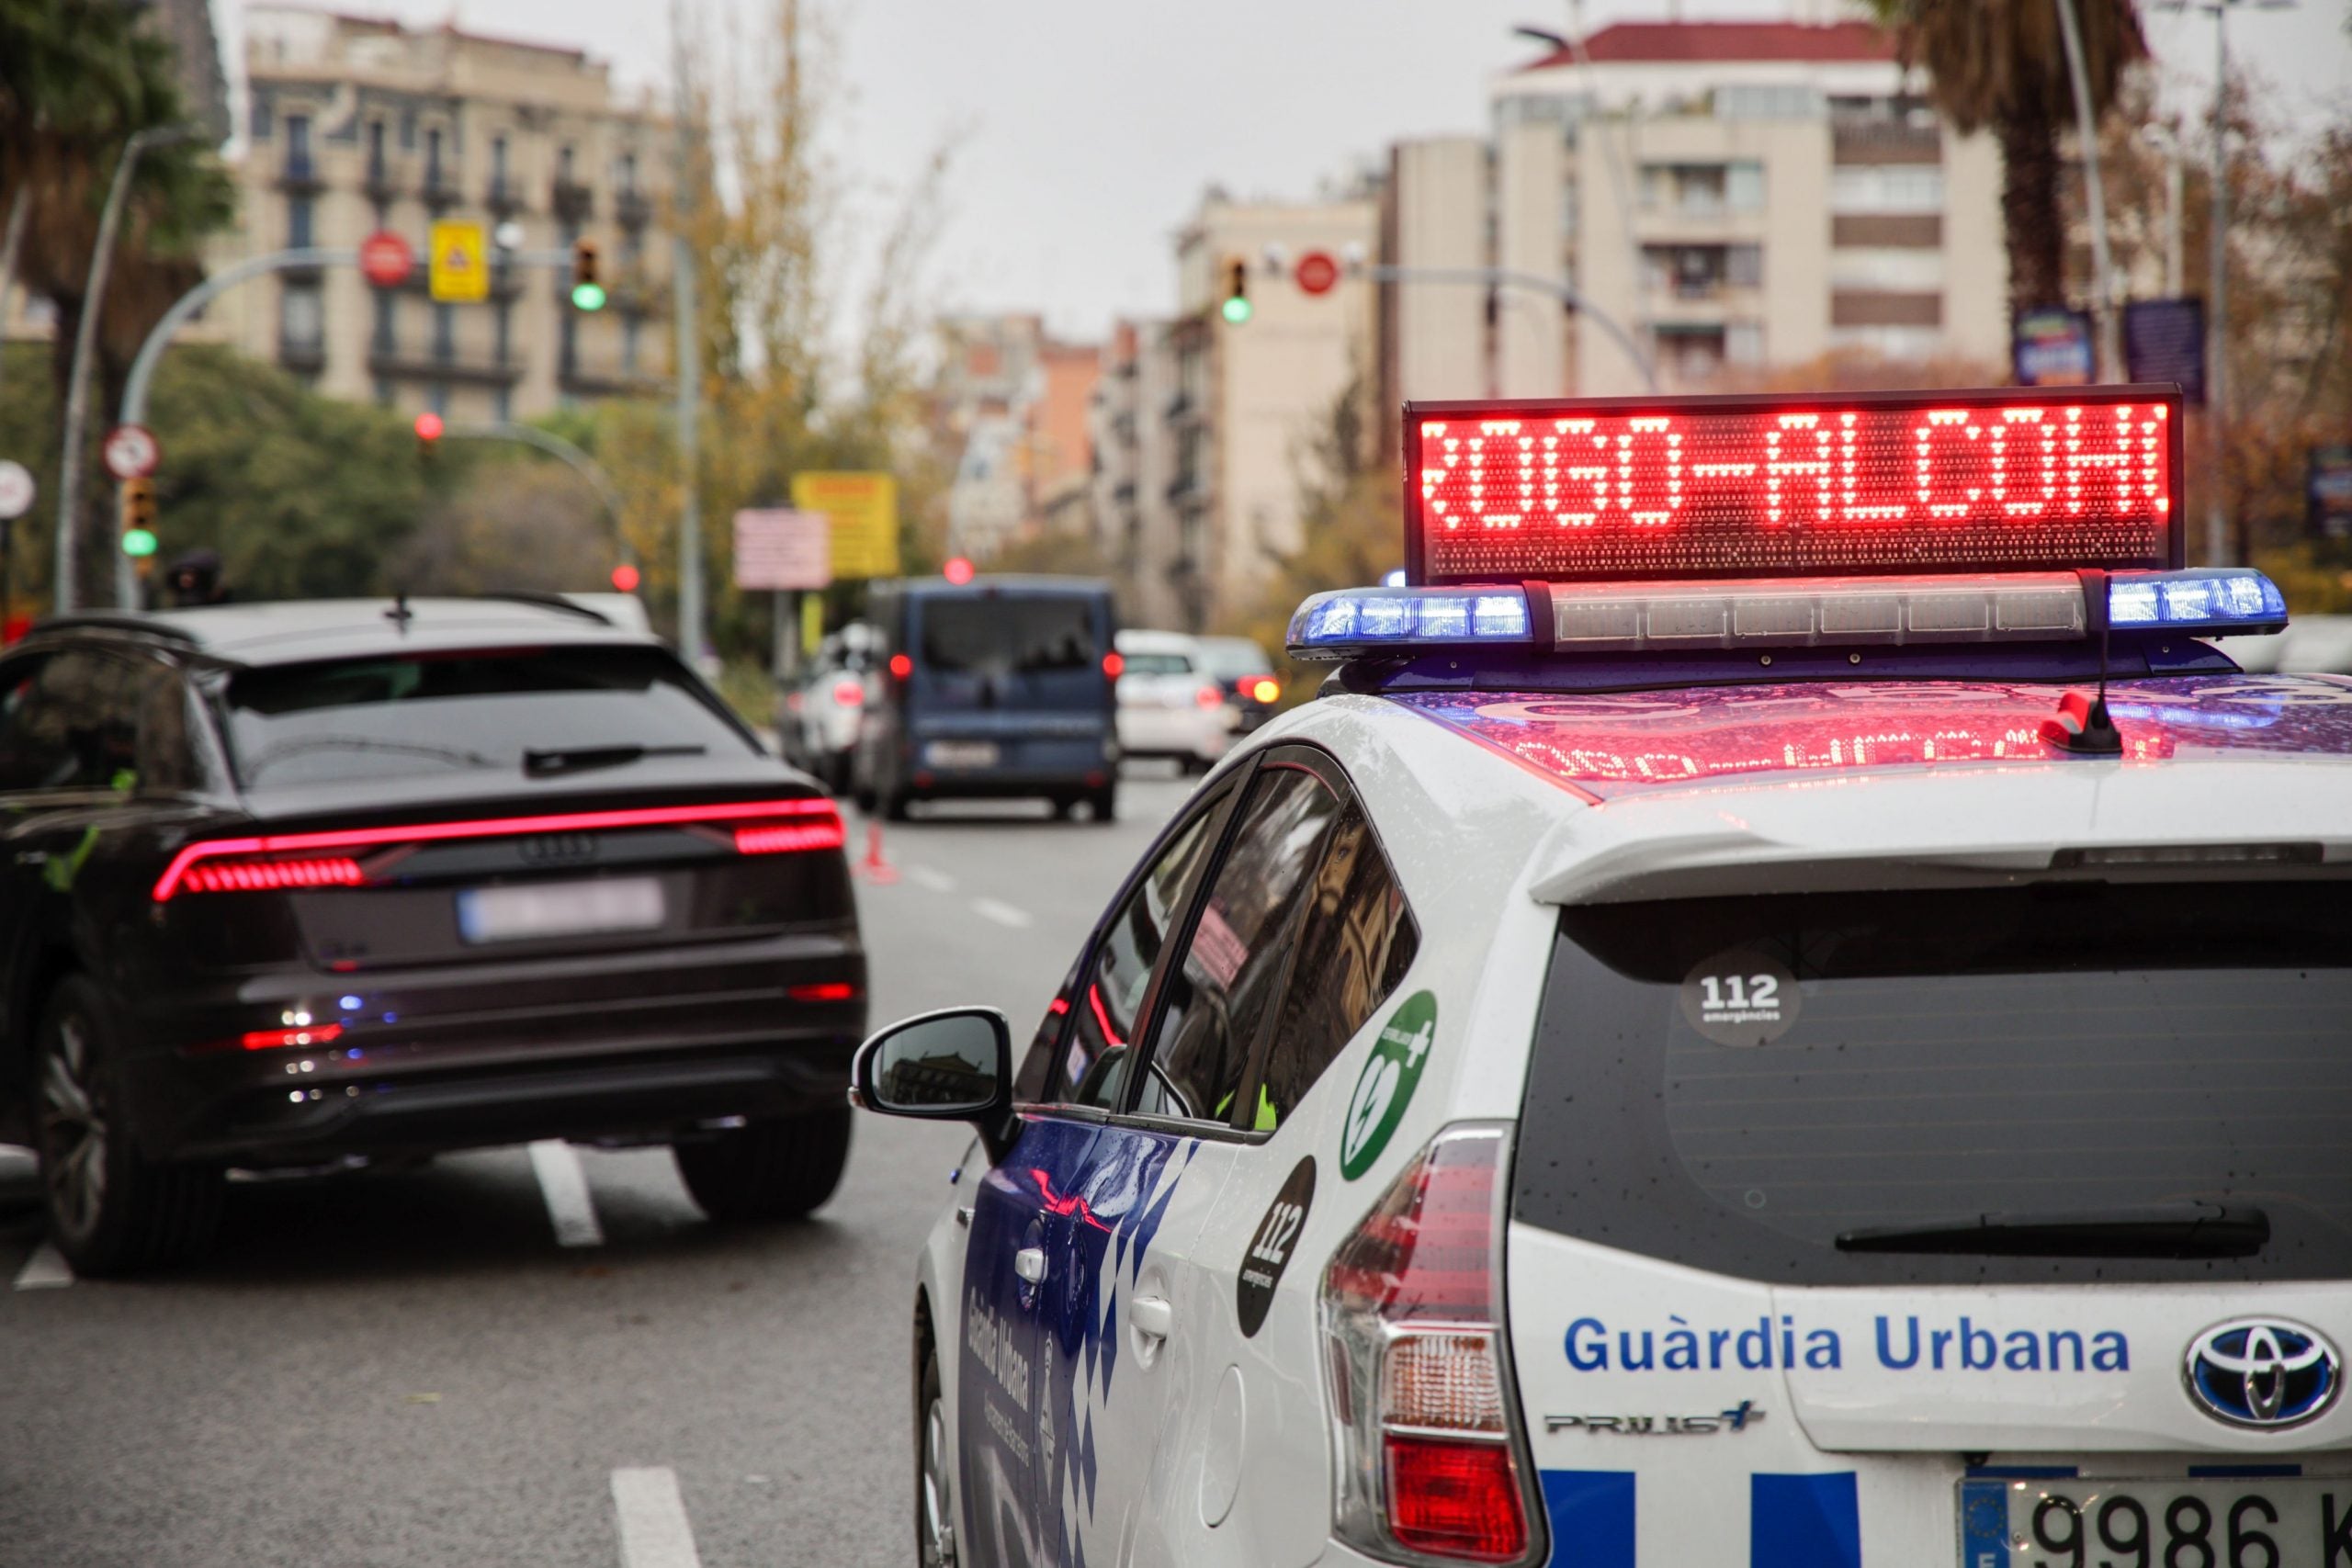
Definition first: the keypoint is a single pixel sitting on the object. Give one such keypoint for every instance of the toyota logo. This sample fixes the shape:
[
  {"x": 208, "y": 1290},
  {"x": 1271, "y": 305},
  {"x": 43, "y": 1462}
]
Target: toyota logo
[{"x": 2258, "y": 1371}]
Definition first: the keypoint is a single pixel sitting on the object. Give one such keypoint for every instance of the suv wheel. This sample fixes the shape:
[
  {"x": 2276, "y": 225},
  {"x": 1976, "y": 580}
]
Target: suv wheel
[
  {"x": 109, "y": 1212},
  {"x": 934, "y": 1495},
  {"x": 1103, "y": 805},
  {"x": 774, "y": 1169}
]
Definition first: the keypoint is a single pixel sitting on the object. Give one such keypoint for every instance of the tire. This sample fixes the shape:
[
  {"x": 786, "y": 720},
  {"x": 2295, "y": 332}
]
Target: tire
[
  {"x": 775, "y": 1168},
  {"x": 1103, "y": 805},
  {"x": 935, "y": 1473},
  {"x": 1062, "y": 805},
  {"x": 108, "y": 1209},
  {"x": 893, "y": 805}
]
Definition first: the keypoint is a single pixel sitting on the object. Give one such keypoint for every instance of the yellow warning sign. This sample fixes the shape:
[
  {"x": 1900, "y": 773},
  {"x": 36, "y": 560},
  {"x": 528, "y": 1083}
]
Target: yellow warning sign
[
  {"x": 458, "y": 262},
  {"x": 865, "y": 513}
]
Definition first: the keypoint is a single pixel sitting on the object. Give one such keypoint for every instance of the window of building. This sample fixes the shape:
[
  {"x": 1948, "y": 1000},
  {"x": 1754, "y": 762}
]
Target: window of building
[
  {"x": 1744, "y": 343},
  {"x": 298, "y": 214},
  {"x": 383, "y": 390},
  {"x": 386, "y": 338},
  {"x": 1744, "y": 266},
  {"x": 502, "y": 327},
  {"x": 260, "y": 121},
  {"x": 302, "y": 315},
  {"x": 498, "y": 161},
  {"x": 408, "y": 130},
  {"x": 445, "y": 333},
  {"x": 433, "y": 157},
  {"x": 563, "y": 162},
  {"x": 502, "y": 404},
  {"x": 375, "y": 149},
  {"x": 1744, "y": 187},
  {"x": 1886, "y": 188},
  {"x": 1768, "y": 101},
  {"x": 626, "y": 172},
  {"x": 1900, "y": 268},
  {"x": 298, "y": 144},
  {"x": 632, "y": 329},
  {"x": 436, "y": 398},
  {"x": 1889, "y": 343},
  {"x": 1219, "y": 998}
]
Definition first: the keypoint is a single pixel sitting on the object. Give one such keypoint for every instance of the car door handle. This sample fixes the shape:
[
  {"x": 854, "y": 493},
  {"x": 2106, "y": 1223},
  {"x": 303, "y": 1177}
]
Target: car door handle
[
  {"x": 1154, "y": 1316},
  {"x": 1029, "y": 1263}
]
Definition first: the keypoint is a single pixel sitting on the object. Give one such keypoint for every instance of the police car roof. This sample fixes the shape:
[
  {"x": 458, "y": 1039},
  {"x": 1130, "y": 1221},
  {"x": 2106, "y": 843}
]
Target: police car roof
[
  {"x": 299, "y": 630},
  {"x": 1606, "y": 797}
]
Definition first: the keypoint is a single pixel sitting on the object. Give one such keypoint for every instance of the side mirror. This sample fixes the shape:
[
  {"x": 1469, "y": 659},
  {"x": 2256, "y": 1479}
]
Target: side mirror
[{"x": 952, "y": 1065}]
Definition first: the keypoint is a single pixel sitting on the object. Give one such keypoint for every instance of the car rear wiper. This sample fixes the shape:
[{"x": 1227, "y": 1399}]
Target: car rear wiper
[
  {"x": 2159, "y": 1230},
  {"x": 542, "y": 764}
]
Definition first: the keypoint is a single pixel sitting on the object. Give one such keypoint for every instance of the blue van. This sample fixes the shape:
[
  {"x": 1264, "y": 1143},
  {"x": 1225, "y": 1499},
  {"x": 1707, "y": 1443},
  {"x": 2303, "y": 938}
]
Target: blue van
[{"x": 1005, "y": 686}]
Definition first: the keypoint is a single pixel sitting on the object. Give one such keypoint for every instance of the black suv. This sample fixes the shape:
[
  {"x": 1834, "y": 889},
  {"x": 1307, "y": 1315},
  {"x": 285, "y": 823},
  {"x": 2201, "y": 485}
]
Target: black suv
[{"x": 286, "y": 885}]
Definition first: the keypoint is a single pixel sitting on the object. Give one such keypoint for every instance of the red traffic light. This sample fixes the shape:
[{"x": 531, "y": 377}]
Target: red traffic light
[
  {"x": 958, "y": 571},
  {"x": 429, "y": 427},
  {"x": 626, "y": 578}
]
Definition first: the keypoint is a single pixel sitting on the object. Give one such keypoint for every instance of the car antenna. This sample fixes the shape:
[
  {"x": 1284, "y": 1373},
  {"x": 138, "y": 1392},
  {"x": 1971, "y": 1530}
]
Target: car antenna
[
  {"x": 399, "y": 614},
  {"x": 2082, "y": 726}
]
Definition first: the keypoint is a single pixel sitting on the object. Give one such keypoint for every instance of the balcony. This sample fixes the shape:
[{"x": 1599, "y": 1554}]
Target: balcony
[
  {"x": 505, "y": 196},
  {"x": 300, "y": 176},
  {"x": 597, "y": 376},
  {"x": 572, "y": 201},
  {"x": 633, "y": 208},
  {"x": 477, "y": 367},
  {"x": 382, "y": 183},
  {"x": 304, "y": 357},
  {"x": 440, "y": 190}
]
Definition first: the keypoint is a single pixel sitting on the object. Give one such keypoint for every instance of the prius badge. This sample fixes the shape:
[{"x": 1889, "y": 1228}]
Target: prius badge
[{"x": 2262, "y": 1373}]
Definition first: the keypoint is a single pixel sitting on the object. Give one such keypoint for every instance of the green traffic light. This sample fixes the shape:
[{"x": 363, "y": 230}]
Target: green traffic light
[
  {"x": 1236, "y": 310},
  {"x": 588, "y": 296},
  {"x": 138, "y": 542}
]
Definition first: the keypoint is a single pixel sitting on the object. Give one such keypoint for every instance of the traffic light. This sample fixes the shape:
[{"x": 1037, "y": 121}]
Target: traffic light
[
  {"x": 1237, "y": 307},
  {"x": 587, "y": 293},
  {"x": 139, "y": 518},
  {"x": 428, "y": 433}
]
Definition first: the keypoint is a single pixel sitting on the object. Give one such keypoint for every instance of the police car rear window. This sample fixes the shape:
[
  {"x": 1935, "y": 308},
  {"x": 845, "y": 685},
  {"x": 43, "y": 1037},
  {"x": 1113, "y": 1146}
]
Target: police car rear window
[{"x": 1760, "y": 1086}]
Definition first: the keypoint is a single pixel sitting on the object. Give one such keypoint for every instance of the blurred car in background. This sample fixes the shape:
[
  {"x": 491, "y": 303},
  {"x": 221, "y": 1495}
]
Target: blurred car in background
[
  {"x": 992, "y": 689},
  {"x": 1170, "y": 705},
  {"x": 1241, "y": 668},
  {"x": 2314, "y": 645},
  {"x": 817, "y": 719}
]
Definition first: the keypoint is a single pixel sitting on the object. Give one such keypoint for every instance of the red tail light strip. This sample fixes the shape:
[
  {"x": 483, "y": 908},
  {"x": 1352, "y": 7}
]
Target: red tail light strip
[
  {"x": 824, "y": 991},
  {"x": 249, "y": 876},
  {"x": 820, "y": 819},
  {"x": 791, "y": 838}
]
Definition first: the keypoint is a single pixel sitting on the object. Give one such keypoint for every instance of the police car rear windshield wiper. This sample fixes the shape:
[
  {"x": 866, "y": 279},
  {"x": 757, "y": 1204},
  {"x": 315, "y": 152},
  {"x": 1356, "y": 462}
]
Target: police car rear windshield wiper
[
  {"x": 2159, "y": 1230},
  {"x": 541, "y": 764}
]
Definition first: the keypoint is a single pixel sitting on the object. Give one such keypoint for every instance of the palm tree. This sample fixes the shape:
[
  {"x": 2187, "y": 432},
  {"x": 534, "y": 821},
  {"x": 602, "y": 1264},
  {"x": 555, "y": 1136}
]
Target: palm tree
[
  {"x": 2001, "y": 66},
  {"x": 77, "y": 79}
]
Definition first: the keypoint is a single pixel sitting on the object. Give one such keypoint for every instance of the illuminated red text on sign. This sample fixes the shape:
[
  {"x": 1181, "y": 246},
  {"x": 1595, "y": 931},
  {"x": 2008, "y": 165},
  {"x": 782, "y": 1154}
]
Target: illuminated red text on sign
[{"x": 1696, "y": 489}]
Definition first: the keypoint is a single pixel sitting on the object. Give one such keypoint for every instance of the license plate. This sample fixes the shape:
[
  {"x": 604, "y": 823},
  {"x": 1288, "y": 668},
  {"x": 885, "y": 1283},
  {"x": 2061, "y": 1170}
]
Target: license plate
[
  {"x": 2243, "y": 1522},
  {"x": 571, "y": 908},
  {"x": 961, "y": 753}
]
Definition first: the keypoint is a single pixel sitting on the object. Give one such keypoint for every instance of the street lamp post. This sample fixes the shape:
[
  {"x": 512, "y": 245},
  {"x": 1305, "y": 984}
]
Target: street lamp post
[
  {"x": 71, "y": 459},
  {"x": 2110, "y": 337}
]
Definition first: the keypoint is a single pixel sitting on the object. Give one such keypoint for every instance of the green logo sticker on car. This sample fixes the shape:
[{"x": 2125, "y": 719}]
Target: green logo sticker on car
[{"x": 1386, "y": 1086}]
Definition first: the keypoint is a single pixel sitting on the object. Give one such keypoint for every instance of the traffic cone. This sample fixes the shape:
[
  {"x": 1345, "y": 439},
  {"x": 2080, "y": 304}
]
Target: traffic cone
[{"x": 873, "y": 868}]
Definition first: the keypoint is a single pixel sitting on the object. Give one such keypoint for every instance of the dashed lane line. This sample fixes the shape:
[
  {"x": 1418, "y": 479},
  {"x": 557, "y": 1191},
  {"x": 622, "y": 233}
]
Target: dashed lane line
[
  {"x": 1003, "y": 914},
  {"x": 654, "y": 1532},
  {"x": 46, "y": 1269},
  {"x": 565, "y": 1187},
  {"x": 931, "y": 877}
]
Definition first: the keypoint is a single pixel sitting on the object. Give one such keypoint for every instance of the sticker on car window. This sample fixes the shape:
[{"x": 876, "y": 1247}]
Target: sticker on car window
[
  {"x": 1740, "y": 998},
  {"x": 1386, "y": 1086},
  {"x": 1271, "y": 1246}
]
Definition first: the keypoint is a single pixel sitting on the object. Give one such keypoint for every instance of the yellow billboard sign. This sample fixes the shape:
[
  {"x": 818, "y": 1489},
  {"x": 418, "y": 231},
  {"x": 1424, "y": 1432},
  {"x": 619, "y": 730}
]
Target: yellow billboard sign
[
  {"x": 865, "y": 513},
  {"x": 458, "y": 262}
]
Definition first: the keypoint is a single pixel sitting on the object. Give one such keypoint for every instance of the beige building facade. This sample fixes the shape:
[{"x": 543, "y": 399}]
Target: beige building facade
[
  {"x": 355, "y": 126},
  {"x": 1249, "y": 398},
  {"x": 1733, "y": 196}
]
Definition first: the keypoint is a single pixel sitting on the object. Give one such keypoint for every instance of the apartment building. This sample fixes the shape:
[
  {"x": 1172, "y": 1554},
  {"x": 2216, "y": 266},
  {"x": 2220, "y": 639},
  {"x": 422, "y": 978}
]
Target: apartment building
[
  {"x": 1731, "y": 197},
  {"x": 1248, "y": 398},
  {"x": 357, "y": 125},
  {"x": 1019, "y": 401},
  {"x": 1127, "y": 500}
]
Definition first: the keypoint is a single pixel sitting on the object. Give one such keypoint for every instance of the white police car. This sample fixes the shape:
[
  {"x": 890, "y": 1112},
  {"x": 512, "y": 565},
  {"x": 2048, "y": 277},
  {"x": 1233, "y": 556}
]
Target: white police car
[{"x": 1708, "y": 1044}]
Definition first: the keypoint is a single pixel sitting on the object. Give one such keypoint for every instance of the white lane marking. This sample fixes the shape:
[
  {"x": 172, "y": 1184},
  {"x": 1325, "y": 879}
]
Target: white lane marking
[
  {"x": 654, "y": 1532},
  {"x": 927, "y": 877},
  {"x": 1003, "y": 914},
  {"x": 45, "y": 1269},
  {"x": 565, "y": 1187}
]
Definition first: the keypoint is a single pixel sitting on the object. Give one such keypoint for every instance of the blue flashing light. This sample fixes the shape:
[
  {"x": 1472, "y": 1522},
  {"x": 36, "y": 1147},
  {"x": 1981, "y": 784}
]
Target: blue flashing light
[
  {"x": 2214, "y": 599},
  {"x": 349, "y": 1003},
  {"x": 1356, "y": 619}
]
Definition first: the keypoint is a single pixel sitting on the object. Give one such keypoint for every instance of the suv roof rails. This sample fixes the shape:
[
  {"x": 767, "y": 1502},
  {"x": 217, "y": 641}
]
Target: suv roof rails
[
  {"x": 546, "y": 600},
  {"x": 104, "y": 620}
]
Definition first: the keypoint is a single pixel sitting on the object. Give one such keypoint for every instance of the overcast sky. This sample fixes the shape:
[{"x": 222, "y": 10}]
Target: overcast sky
[{"x": 1086, "y": 129}]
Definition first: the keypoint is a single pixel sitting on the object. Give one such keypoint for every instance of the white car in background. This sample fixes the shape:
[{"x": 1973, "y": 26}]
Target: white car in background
[{"x": 1170, "y": 705}]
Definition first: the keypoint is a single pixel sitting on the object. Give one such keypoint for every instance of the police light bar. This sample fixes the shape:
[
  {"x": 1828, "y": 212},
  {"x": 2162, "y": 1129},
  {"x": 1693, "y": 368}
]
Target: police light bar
[
  {"x": 1669, "y": 617},
  {"x": 2009, "y": 480}
]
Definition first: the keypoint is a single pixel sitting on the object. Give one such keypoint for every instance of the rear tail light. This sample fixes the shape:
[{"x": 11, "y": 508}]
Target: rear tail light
[
  {"x": 1208, "y": 697},
  {"x": 1431, "y": 1463},
  {"x": 292, "y": 1039},
  {"x": 282, "y": 860},
  {"x": 849, "y": 694},
  {"x": 1112, "y": 664},
  {"x": 1263, "y": 688},
  {"x": 824, "y": 991},
  {"x": 901, "y": 667}
]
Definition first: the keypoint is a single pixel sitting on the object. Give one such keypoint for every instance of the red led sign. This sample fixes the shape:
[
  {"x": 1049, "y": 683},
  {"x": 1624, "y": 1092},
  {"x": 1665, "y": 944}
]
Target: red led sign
[{"x": 1760, "y": 486}]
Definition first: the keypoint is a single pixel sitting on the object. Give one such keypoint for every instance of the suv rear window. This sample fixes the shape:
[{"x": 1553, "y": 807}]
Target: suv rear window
[
  {"x": 1734, "y": 1084},
  {"x": 428, "y": 712},
  {"x": 1007, "y": 634}
]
